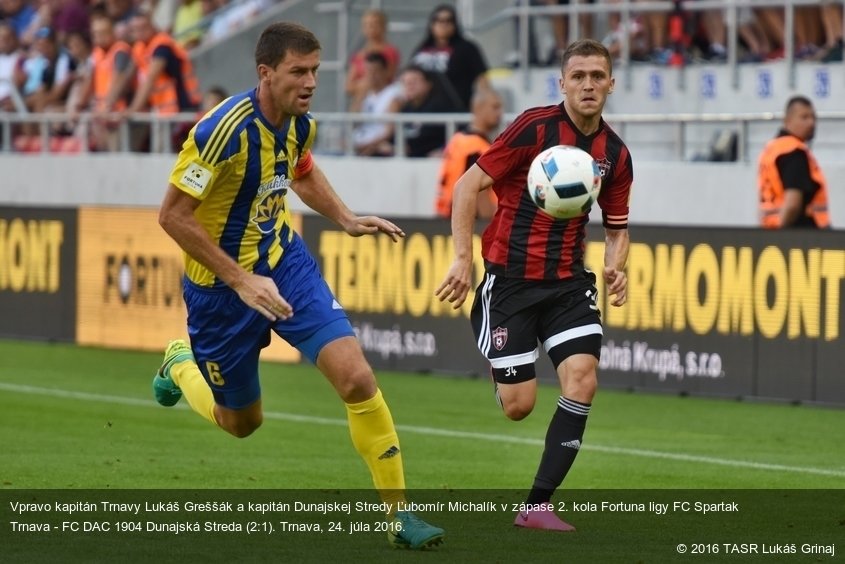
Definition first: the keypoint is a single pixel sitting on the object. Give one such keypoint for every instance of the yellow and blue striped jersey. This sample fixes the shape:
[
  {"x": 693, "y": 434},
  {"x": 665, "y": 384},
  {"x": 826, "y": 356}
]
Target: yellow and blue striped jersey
[{"x": 240, "y": 167}]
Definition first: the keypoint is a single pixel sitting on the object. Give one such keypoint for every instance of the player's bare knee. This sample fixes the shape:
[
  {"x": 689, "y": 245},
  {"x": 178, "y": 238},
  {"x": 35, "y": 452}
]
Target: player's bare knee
[
  {"x": 358, "y": 385},
  {"x": 240, "y": 431},
  {"x": 581, "y": 385},
  {"x": 517, "y": 409},
  {"x": 517, "y": 412},
  {"x": 244, "y": 427},
  {"x": 241, "y": 424}
]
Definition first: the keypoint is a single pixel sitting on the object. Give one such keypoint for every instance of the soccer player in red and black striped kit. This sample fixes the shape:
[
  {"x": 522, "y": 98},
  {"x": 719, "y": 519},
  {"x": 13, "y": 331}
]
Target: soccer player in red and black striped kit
[{"x": 535, "y": 285}]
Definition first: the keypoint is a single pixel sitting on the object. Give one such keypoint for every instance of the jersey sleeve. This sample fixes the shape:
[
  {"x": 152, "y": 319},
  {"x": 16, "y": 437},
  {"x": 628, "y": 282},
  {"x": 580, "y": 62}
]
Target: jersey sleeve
[
  {"x": 615, "y": 196},
  {"x": 200, "y": 161},
  {"x": 512, "y": 150}
]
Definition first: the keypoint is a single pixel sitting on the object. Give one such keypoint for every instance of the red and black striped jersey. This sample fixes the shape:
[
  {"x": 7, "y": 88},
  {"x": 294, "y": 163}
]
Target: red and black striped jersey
[{"x": 523, "y": 242}]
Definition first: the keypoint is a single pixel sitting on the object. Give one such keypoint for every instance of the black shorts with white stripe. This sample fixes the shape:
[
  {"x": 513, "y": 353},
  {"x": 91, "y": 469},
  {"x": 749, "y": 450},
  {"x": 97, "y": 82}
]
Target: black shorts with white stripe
[{"x": 509, "y": 316}]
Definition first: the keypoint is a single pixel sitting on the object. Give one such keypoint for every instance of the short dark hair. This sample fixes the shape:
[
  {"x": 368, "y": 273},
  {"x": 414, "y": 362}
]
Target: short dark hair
[
  {"x": 218, "y": 91},
  {"x": 798, "y": 101},
  {"x": 376, "y": 57},
  {"x": 427, "y": 75},
  {"x": 279, "y": 38},
  {"x": 586, "y": 48}
]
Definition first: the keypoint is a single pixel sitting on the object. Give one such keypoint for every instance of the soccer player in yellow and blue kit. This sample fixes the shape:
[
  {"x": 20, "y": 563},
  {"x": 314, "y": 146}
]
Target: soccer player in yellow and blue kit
[{"x": 247, "y": 272}]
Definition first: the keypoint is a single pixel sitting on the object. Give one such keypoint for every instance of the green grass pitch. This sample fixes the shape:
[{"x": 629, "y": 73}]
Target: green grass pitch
[{"x": 76, "y": 418}]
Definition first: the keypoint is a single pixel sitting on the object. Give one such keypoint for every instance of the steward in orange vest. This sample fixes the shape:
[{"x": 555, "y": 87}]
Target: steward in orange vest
[
  {"x": 166, "y": 81},
  {"x": 460, "y": 154},
  {"x": 463, "y": 150},
  {"x": 793, "y": 190},
  {"x": 107, "y": 63}
]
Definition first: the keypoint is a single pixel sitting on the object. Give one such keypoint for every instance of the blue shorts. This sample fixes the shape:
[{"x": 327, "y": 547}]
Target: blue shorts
[{"x": 227, "y": 335}]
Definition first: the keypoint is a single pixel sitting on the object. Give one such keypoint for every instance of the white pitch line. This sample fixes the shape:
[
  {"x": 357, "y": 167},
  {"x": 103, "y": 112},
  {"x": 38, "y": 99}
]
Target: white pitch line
[{"x": 450, "y": 433}]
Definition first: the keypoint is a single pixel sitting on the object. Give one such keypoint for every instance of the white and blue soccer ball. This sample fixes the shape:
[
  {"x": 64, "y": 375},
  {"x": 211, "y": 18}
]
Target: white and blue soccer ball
[{"x": 564, "y": 181}]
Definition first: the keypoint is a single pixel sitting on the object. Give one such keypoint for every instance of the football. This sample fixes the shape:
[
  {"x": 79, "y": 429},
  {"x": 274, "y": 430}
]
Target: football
[{"x": 564, "y": 181}]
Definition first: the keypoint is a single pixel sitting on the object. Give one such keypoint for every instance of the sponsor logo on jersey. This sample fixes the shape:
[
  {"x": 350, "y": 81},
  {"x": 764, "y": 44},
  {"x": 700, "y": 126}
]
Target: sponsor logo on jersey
[{"x": 196, "y": 178}]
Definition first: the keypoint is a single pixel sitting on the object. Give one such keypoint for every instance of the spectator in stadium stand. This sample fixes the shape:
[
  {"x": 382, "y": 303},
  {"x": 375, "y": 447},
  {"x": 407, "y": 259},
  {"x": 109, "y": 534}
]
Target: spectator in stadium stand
[
  {"x": 792, "y": 187},
  {"x": 186, "y": 23},
  {"x": 121, "y": 13},
  {"x": 832, "y": 50},
  {"x": 635, "y": 30},
  {"x": 772, "y": 24},
  {"x": 464, "y": 149},
  {"x": 383, "y": 97},
  {"x": 656, "y": 30},
  {"x": 78, "y": 46},
  {"x": 715, "y": 39},
  {"x": 229, "y": 17},
  {"x": 446, "y": 51},
  {"x": 374, "y": 31},
  {"x": 49, "y": 72},
  {"x": 535, "y": 285},
  {"x": 69, "y": 16},
  {"x": 48, "y": 75},
  {"x": 11, "y": 58},
  {"x": 210, "y": 99},
  {"x": 423, "y": 93},
  {"x": 109, "y": 89},
  {"x": 558, "y": 23},
  {"x": 560, "y": 28},
  {"x": 753, "y": 37},
  {"x": 166, "y": 81},
  {"x": 20, "y": 14}
]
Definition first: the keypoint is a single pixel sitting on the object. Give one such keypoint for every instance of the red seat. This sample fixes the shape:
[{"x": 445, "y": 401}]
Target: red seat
[
  {"x": 25, "y": 143},
  {"x": 68, "y": 145}
]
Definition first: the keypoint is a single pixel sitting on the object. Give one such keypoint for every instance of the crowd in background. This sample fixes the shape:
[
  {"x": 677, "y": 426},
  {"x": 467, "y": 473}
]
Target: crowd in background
[
  {"x": 112, "y": 58},
  {"x": 684, "y": 35},
  {"x": 440, "y": 76},
  {"x": 446, "y": 67},
  {"x": 117, "y": 57}
]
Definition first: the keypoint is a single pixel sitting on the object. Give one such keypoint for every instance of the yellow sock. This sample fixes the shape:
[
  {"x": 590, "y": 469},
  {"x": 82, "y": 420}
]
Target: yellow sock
[
  {"x": 188, "y": 377},
  {"x": 375, "y": 439}
]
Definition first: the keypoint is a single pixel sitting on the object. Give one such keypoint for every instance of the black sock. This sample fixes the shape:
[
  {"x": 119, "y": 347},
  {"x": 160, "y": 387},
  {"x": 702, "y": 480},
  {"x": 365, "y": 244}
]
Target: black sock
[{"x": 563, "y": 441}]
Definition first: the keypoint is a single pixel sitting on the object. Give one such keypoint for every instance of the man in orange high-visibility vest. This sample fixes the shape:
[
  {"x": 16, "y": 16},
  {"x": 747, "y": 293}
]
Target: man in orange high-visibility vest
[
  {"x": 463, "y": 150},
  {"x": 166, "y": 81},
  {"x": 793, "y": 190}
]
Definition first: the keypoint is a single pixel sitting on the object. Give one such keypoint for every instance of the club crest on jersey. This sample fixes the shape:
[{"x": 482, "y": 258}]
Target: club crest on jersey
[
  {"x": 267, "y": 210},
  {"x": 500, "y": 337},
  {"x": 604, "y": 166}
]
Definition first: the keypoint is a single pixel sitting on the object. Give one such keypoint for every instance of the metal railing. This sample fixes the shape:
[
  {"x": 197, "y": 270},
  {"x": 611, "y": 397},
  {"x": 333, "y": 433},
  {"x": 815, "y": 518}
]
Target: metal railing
[
  {"x": 157, "y": 131},
  {"x": 679, "y": 132}
]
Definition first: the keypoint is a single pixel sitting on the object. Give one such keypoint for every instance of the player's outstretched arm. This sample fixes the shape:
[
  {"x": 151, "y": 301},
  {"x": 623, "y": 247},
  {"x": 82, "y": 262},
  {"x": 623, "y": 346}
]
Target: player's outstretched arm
[
  {"x": 317, "y": 193},
  {"x": 455, "y": 287},
  {"x": 177, "y": 218},
  {"x": 615, "y": 259}
]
